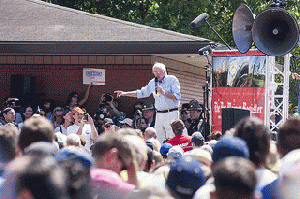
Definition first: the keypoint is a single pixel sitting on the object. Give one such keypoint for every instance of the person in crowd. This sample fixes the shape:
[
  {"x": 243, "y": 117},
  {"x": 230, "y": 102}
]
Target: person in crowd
[
  {"x": 57, "y": 116},
  {"x": 137, "y": 117},
  {"x": 111, "y": 105},
  {"x": 77, "y": 163},
  {"x": 288, "y": 146},
  {"x": 215, "y": 135},
  {"x": 10, "y": 102},
  {"x": 164, "y": 149},
  {"x": 204, "y": 157},
  {"x": 8, "y": 152},
  {"x": 66, "y": 122},
  {"x": 9, "y": 116},
  {"x": 144, "y": 124},
  {"x": 27, "y": 112},
  {"x": 191, "y": 176},
  {"x": 234, "y": 178},
  {"x": 185, "y": 115},
  {"x": 47, "y": 106},
  {"x": 73, "y": 97},
  {"x": 126, "y": 123},
  {"x": 112, "y": 153},
  {"x": 109, "y": 125},
  {"x": 83, "y": 127},
  {"x": 258, "y": 138},
  {"x": 197, "y": 140},
  {"x": 196, "y": 117},
  {"x": 73, "y": 140},
  {"x": 227, "y": 146},
  {"x": 149, "y": 113},
  {"x": 35, "y": 129},
  {"x": 41, "y": 112},
  {"x": 150, "y": 134},
  {"x": 34, "y": 177},
  {"x": 180, "y": 139},
  {"x": 166, "y": 92}
]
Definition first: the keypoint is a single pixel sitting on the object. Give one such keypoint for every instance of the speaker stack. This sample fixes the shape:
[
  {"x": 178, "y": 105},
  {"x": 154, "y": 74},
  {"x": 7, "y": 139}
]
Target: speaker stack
[
  {"x": 274, "y": 31},
  {"x": 231, "y": 116}
]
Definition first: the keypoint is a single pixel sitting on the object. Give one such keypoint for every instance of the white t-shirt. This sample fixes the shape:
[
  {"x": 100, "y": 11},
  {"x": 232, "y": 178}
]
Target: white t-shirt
[
  {"x": 86, "y": 133},
  {"x": 61, "y": 129}
]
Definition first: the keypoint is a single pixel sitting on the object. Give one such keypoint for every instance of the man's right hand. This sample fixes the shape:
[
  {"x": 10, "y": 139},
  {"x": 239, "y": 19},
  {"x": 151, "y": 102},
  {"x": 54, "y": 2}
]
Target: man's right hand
[
  {"x": 295, "y": 76},
  {"x": 119, "y": 93}
]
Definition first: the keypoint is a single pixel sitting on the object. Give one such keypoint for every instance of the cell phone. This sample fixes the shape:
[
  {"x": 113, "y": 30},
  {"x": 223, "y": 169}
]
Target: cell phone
[{"x": 86, "y": 117}]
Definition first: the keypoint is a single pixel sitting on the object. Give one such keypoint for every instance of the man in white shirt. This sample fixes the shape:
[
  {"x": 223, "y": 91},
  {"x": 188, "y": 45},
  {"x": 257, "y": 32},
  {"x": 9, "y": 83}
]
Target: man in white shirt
[{"x": 166, "y": 92}]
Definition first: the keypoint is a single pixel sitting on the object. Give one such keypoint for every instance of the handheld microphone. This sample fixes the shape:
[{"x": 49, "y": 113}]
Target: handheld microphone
[
  {"x": 156, "y": 84},
  {"x": 199, "y": 20}
]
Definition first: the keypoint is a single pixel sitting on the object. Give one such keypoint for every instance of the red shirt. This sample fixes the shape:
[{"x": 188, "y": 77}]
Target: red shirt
[{"x": 184, "y": 141}]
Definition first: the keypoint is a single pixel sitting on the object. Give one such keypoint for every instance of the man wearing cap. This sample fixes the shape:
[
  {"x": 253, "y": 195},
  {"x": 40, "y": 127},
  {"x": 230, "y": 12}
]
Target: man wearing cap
[
  {"x": 197, "y": 119},
  {"x": 126, "y": 123},
  {"x": 180, "y": 139},
  {"x": 166, "y": 92},
  {"x": 8, "y": 116},
  {"x": 149, "y": 113}
]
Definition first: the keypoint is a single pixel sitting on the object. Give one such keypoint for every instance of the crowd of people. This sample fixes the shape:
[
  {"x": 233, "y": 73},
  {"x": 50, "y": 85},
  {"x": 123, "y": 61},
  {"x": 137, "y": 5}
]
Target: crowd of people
[{"x": 67, "y": 153}]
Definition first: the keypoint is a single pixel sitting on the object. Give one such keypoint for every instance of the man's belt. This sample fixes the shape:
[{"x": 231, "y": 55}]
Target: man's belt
[{"x": 168, "y": 110}]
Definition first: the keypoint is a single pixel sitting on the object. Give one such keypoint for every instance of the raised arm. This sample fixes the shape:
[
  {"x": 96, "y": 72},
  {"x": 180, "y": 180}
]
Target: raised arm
[
  {"x": 126, "y": 94},
  {"x": 86, "y": 95}
]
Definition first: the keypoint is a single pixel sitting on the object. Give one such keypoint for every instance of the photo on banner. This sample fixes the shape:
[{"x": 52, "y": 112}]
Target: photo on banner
[{"x": 238, "y": 81}]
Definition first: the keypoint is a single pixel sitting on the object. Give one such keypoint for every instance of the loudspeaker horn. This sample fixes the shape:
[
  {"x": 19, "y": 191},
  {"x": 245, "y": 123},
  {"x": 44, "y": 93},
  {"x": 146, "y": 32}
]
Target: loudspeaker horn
[
  {"x": 275, "y": 32},
  {"x": 243, "y": 20}
]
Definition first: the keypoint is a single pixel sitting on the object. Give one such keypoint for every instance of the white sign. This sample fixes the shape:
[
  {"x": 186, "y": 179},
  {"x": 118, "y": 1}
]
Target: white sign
[{"x": 97, "y": 76}]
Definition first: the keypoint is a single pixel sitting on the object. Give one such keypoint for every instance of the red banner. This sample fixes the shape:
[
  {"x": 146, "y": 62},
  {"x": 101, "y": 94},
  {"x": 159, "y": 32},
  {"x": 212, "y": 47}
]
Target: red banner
[{"x": 249, "y": 98}]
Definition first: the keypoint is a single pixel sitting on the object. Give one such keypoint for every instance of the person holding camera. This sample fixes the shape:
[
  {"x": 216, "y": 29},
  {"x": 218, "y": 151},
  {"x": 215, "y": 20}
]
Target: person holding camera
[
  {"x": 112, "y": 107},
  {"x": 166, "y": 92},
  {"x": 84, "y": 126}
]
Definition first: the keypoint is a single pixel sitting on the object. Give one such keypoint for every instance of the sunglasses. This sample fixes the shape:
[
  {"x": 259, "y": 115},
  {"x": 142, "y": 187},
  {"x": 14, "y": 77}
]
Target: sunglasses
[
  {"x": 59, "y": 110},
  {"x": 75, "y": 96}
]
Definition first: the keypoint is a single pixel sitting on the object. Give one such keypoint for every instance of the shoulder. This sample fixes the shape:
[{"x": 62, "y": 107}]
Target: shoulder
[{"x": 171, "y": 77}]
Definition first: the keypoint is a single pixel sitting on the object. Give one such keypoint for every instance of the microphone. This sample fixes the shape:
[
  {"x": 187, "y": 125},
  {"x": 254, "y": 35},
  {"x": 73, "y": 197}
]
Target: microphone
[
  {"x": 156, "y": 84},
  {"x": 205, "y": 50},
  {"x": 199, "y": 20}
]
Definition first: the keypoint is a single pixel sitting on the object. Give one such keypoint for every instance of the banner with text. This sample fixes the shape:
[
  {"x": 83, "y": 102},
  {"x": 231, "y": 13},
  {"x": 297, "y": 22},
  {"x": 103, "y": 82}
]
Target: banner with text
[
  {"x": 97, "y": 76},
  {"x": 249, "y": 98},
  {"x": 238, "y": 82}
]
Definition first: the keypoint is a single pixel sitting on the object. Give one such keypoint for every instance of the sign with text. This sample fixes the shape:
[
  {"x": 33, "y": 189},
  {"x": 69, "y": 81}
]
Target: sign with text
[
  {"x": 97, "y": 76},
  {"x": 248, "y": 98}
]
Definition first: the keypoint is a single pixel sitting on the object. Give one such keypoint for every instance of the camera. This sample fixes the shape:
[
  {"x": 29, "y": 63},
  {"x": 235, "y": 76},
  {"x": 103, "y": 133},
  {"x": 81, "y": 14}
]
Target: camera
[
  {"x": 86, "y": 117},
  {"x": 100, "y": 114},
  {"x": 11, "y": 102},
  {"x": 107, "y": 98}
]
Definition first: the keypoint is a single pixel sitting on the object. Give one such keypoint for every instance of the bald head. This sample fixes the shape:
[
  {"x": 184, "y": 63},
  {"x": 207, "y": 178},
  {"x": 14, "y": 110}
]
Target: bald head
[{"x": 150, "y": 132}]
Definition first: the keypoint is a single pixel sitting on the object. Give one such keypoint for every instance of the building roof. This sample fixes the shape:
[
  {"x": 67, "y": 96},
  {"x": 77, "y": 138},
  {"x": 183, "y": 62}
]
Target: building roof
[{"x": 24, "y": 24}]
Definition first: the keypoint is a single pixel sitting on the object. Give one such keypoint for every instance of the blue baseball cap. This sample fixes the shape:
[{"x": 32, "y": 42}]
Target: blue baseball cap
[{"x": 230, "y": 146}]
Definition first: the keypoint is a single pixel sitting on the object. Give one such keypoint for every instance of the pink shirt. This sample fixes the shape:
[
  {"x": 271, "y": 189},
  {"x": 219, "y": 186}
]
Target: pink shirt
[{"x": 109, "y": 182}]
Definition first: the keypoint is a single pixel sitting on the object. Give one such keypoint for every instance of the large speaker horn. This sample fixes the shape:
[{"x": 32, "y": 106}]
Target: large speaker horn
[
  {"x": 275, "y": 32},
  {"x": 243, "y": 20}
]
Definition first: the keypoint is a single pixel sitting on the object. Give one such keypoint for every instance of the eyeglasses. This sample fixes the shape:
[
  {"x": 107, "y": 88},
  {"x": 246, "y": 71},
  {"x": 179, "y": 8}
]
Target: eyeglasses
[{"x": 59, "y": 110}]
